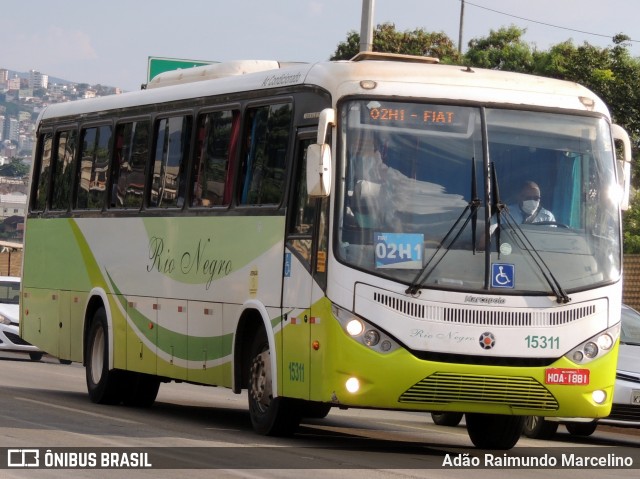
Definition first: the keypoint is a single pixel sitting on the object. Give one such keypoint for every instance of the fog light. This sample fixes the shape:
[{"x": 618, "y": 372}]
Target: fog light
[
  {"x": 578, "y": 356},
  {"x": 371, "y": 337},
  {"x": 352, "y": 385},
  {"x": 591, "y": 350},
  {"x": 385, "y": 345},
  {"x": 355, "y": 327},
  {"x": 599, "y": 396}
]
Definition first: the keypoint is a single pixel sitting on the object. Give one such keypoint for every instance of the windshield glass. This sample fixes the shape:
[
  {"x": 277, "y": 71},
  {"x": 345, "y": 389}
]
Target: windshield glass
[
  {"x": 630, "y": 332},
  {"x": 419, "y": 197},
  {"x": 9, "y": 292}
]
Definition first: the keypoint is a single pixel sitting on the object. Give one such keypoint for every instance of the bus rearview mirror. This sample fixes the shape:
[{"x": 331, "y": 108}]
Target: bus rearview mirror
[{"x": 319, "y": 170}]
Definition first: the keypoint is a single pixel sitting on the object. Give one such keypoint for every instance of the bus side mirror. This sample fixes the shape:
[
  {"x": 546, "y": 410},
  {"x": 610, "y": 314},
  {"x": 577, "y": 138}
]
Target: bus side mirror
[
  {"x": 319, "y": 158},
  {"x": 624, "y": 165}
]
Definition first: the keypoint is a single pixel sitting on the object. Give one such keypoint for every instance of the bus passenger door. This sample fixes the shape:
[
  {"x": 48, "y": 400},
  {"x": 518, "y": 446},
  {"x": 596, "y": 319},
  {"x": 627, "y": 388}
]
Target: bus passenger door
[{"x": 298, "y": 279}]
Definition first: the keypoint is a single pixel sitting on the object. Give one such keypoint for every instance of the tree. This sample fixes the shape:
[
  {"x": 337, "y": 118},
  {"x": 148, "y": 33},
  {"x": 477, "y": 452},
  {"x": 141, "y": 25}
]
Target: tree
[
  {"x": 501, "y": 50},
  {"x": 387, "y": 39},
  {"x": 16, "y": 168},
  {"x": 612, "y": 73}
]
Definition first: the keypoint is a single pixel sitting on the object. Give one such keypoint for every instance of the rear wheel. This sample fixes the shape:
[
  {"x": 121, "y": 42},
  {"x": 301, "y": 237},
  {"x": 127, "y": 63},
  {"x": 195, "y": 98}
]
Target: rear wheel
[
  {"x": 447, "y": 418},
  {"x": 140, "y": 390},
  {"x": 35, "y": 356},
  {"x": 537, "y": 427},
  {"x": 104, "y": 385},
  {"x": 270, "y": 416},
  {"x": 581, "y": 428},
  {"x": 494, "y": 431}
]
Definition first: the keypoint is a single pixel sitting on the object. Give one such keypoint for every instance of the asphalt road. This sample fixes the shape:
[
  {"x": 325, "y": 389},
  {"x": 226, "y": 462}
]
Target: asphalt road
[{"x": 194, "y": 431}]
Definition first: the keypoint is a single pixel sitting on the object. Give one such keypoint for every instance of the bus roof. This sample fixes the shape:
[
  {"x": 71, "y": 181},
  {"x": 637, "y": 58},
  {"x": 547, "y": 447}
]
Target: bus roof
[{"x": 391, "y": 76}]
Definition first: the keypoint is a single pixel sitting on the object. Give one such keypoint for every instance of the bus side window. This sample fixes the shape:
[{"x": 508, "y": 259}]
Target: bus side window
[
  {"x": 45, "y": 148},
  {"x": 63, "y": 168},
  {"x": 266, "y": 141},
  {"x": 94, "y": 163},
  {"x": 302, "y": 209},
  {"x": 127, "y": 168},
  {"x": 216, "y": 138},
  {"x": 168, "y": 183}
]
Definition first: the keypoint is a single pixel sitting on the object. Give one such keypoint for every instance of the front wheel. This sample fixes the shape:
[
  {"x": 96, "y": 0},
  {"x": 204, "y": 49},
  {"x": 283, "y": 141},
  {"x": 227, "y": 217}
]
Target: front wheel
[
  {"x": 450, "y": 419},
  {"x": 494, "y": 431},
  {"x": 104, "y": 385},
  {"x": 140, "y": 390},
  {"x": 537, "y": 427},
  {"x": 36, "y": 356},
  {"x": 582, "y": 428},
  {"x": 270, "y": 416}
]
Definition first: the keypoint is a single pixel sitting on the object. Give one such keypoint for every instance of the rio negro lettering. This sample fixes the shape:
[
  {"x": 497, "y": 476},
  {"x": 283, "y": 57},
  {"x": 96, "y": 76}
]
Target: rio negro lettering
[{"x": 195, "y": 262}]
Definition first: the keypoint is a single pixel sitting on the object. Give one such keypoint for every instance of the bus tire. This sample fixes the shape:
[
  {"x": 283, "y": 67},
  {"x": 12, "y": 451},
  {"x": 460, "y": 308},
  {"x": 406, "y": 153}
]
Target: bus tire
[
  {"x": 314, "y": 410},
  {"x": 581, "y": 428},
  {"x": 270, "y": 416},
  {"x": 140, "y": 390},
  {"x": 494, "y": 431},
  {"x": 537, "y": 427},
  {"x": 450, "y": 419},
  {"x": 35, "y": 356},
  {"x": 103, "y": 385}
]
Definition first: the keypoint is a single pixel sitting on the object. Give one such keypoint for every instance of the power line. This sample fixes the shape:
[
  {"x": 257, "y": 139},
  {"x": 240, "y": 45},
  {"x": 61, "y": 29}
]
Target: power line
[{"x": 542, "y": 23}]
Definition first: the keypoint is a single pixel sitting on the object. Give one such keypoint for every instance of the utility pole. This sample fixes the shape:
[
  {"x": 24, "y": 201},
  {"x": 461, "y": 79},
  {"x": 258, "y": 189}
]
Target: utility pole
[
  {"x": 366, "y": 26},
  {"x": 461, "y": 26}
]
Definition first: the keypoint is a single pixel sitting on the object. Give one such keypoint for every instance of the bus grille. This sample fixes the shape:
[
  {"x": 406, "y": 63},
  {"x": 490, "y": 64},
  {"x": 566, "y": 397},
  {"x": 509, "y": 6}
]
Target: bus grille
[
  {"x": 516, "y": 392},
  {"x": 483, "y": 315}
]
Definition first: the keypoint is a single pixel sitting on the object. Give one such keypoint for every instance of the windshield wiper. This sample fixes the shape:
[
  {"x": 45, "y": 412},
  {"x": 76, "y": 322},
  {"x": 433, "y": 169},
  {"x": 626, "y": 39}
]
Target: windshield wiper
[
  {"x": 444, "y": 246},
  {"x": 503, "y": 210}
]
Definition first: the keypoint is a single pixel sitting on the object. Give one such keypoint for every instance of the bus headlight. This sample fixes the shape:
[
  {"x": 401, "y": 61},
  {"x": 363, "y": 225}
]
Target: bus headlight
[
  {"x": 371, "y": 337},
  {"x": 595, "y": 347},
  {"x": 591, "y": 350},
  {"x": 355, "y": 327},
  {"x": 364, "y": 332}
]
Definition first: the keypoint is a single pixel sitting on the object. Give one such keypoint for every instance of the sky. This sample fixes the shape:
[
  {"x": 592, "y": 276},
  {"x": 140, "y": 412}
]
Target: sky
[{"x": 109, "y": 43}]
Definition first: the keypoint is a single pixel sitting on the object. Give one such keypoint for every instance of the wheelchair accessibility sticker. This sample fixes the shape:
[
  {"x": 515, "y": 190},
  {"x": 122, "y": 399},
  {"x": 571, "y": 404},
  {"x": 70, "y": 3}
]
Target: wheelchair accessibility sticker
[{"x": 502, "y": 275}]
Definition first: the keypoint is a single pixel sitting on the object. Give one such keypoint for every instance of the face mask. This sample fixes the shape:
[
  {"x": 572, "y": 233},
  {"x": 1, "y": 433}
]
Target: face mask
[{"x": 529, "y": 206}]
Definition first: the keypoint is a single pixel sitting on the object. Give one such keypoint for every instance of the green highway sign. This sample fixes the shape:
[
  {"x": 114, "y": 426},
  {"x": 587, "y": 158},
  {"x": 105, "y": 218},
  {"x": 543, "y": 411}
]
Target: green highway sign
[{"x": 157, "y": 65}]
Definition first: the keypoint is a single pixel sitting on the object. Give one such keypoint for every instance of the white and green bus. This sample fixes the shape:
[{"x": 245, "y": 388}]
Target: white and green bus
[{"x": 339, "y": 234}]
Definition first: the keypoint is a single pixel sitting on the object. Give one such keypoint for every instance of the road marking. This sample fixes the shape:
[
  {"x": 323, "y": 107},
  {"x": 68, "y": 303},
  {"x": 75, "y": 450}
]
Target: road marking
[{"x": 74, "y": 410}]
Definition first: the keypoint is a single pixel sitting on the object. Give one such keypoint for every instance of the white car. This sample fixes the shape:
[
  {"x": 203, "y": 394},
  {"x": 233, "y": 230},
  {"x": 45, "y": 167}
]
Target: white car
[
  {"x": 625, "y": 411},
  {"x": 10, "y": 339}
]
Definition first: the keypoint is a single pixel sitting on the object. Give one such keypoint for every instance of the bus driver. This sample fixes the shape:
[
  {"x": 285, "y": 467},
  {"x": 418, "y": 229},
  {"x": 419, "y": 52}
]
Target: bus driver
[{"x": 528, "y": 208}]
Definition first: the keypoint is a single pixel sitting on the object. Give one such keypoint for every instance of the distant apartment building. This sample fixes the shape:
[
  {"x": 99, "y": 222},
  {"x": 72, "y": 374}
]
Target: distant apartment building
[
  {"x": 38, "y": 80},
  {"x": 10, "y": 129},
  {"x": 13, "y": 204},
  {"x": 4, "y": 77},
  {"x": 26, "y": 142},
  {"x": 13, "y": 83}
]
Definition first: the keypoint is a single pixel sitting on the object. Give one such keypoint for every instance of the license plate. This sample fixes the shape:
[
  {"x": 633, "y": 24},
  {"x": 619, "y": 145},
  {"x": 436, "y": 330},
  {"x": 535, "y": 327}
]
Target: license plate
[
  {"x": 635, "y": 397},
  {"x": 577, "y": 377}
]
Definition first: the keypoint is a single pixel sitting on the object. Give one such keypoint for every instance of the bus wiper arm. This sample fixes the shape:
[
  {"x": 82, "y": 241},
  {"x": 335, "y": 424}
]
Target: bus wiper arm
[
  {"x": 561, "y": 296},
  {"x": 503, "y": 210},
  {"x": 445, "y": 245}
]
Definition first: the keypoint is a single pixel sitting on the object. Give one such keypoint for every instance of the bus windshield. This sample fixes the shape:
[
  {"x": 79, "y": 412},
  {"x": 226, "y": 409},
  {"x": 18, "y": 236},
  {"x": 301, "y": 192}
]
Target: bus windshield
[{"x": 424, "y": 186}]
